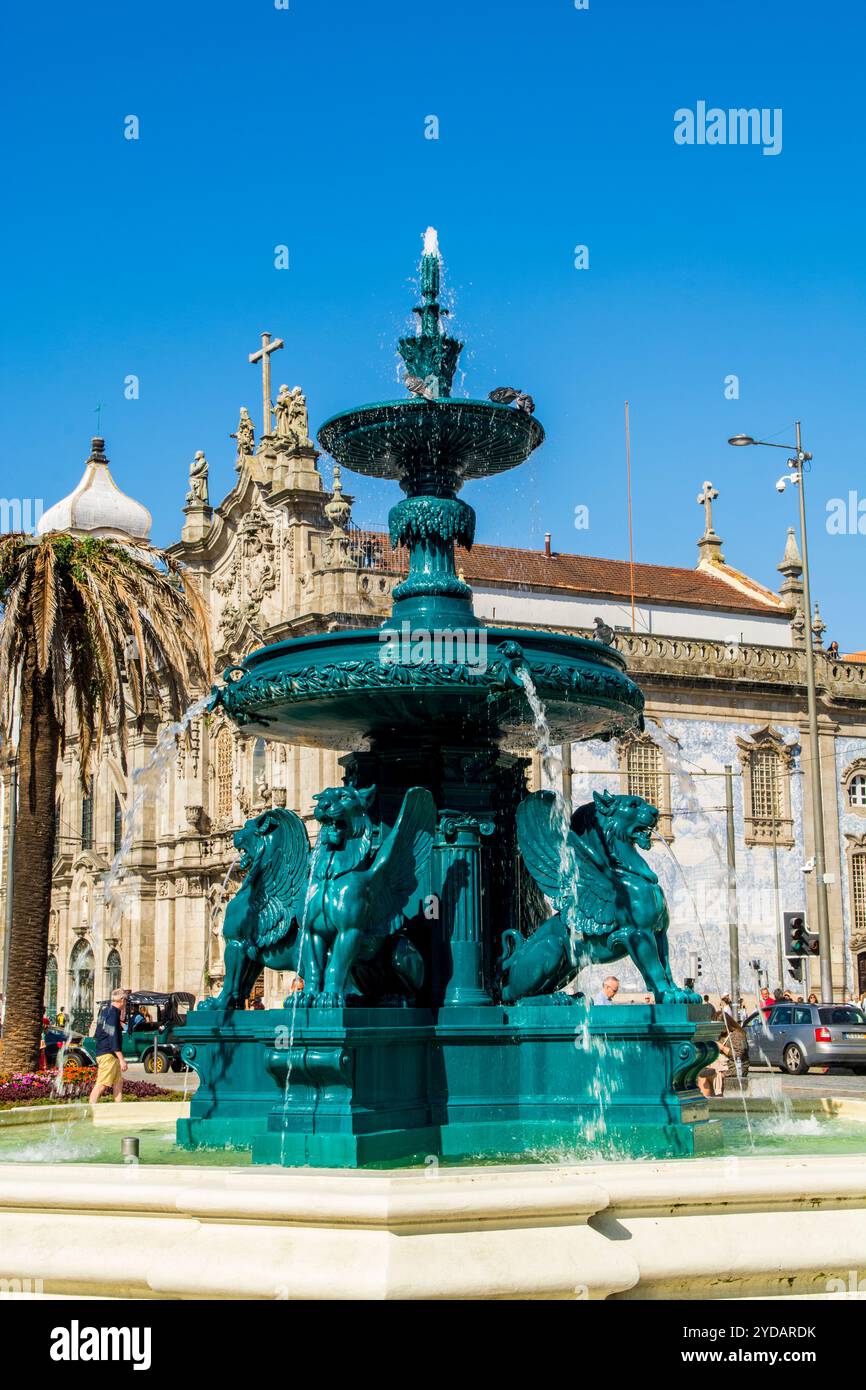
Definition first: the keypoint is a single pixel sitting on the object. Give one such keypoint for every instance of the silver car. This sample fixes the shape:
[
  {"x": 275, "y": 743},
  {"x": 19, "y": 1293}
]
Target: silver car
[{"x": 795, "y": 1037}]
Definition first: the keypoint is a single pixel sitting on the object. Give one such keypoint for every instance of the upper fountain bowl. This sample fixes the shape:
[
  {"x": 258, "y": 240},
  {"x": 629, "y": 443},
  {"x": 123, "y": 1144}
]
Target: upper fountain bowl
[{"x": 431, "y": 445}]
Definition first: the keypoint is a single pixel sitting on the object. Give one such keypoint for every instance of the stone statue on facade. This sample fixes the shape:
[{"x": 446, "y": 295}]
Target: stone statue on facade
[
  {"x": 283, "y": 408},
  {"x": 198, "y": 470},
  {"x": 292, "y": 424},
  {"x": 244, "y": 434},
  {"x": 298, "y": 419}
]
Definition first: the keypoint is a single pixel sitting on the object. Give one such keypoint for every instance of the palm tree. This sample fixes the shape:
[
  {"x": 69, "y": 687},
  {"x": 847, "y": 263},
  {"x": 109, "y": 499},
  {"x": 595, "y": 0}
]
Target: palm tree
[{"x": 90, "y": 628}]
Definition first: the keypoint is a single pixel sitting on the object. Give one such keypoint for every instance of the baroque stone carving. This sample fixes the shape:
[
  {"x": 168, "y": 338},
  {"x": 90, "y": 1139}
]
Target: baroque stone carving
[
  {"x": 245, "y": 436},
  {"x": 767, "y": 760},
  {"x": 198, "y": 471}
]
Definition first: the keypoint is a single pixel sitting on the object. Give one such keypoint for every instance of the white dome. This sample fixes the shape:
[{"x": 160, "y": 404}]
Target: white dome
[{"x": 97, "y": 507}]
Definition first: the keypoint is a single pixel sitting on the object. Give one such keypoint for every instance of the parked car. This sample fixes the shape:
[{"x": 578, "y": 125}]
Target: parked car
[
  {"x": 795, "y": 1037},
  {"x": 153, "y": 1043}
]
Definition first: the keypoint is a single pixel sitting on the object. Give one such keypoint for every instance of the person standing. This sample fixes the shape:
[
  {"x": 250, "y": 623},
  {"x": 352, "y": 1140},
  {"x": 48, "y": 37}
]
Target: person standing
[
  {"x": 110, "y": 1062},
  {"x": 607, "y": 992},
  {"x": 766, "y": 1001}
]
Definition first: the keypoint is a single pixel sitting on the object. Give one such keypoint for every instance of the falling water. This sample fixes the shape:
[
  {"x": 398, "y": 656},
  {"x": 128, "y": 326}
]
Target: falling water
[
  {"x": 146, "y": 781},
  {"x": 604, "y": 1055},
  {"x": 295, "y": 999},
  {"x": 551, "y": 763}
]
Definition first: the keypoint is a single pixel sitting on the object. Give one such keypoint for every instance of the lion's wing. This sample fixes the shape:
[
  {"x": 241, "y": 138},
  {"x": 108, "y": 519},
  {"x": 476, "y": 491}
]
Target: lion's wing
[
  {"x": 550, "y": 849},
  {"x": 399, "y": 869},
  {"x": 562, "y": 867},
  {"x": 283, "y": 878},
  {"x": 595, "y": 906}
]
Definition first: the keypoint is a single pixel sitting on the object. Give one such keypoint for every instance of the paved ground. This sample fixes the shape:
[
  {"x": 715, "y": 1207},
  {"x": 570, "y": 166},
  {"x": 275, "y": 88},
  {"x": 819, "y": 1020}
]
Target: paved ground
[
  {"x": 172, "y": 1080},
  {"x": 833, "y": 1083}
]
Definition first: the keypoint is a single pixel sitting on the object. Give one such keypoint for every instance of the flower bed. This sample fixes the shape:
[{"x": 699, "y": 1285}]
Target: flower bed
[{"x": 40, "y": 1087}]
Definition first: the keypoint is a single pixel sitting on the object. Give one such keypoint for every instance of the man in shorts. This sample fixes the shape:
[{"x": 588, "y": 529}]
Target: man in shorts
[{"x": 110, "y": 1064}]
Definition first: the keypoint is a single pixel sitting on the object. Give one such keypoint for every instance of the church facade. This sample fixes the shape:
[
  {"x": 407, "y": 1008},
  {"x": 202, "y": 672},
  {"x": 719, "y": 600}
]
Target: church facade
[{"x": 720, "y": 659}]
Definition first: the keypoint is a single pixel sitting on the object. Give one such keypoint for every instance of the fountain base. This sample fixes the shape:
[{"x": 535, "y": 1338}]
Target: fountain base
[{"x": 359, "y": 1087}]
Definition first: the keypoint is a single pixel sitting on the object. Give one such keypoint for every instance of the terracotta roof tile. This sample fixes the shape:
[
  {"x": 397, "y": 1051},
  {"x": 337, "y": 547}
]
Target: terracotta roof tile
[{"x": 590, "y": 575}]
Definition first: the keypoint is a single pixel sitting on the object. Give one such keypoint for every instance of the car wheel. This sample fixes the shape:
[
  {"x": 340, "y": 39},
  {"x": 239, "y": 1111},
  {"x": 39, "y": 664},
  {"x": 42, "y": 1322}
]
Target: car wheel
[
  {"x": 159, "y": 1064},
  {"x": 795, "y": 1063}
]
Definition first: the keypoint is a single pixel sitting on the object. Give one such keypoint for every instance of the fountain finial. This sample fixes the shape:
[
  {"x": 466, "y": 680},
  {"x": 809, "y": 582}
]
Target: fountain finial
[{"x": 430, "y": 356}]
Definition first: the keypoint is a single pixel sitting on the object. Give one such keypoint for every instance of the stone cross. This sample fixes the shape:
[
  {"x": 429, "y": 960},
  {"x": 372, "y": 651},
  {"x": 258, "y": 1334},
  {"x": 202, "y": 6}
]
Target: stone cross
[
  {"x": 706, "y": 498},
  {"x": 264, "y": 356}
]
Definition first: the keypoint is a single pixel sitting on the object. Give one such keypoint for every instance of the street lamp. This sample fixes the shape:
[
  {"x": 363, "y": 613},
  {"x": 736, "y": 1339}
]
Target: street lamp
[{"x": 796, "y": 477}]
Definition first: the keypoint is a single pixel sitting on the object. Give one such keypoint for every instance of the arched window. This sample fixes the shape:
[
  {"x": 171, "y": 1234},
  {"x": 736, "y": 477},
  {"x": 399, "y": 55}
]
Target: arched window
[
  {"x": 224, "y": 770},
  {"x": 51, "y": 986},
  {"x": 113, "y": 971},
  {"x": 643, "y": 771},
  {"x": 858, "y": 893},
  {"x": 260, "y": 757},
  {"x": 766, "y": 784},
  {"x": 81, "y": 977},
  {"x": 87, "y": 816},
  {"x": 766, "y": 760},
  {"x": 854, "y": 785},
  {"x": 118, "y": 823}
]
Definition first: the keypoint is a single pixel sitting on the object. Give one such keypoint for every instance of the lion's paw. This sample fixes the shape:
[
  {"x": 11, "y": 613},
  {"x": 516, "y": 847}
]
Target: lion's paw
[
  {"x": 679, "y": 996},
  {"x": 300, "y": 999},
  {"x": 329, "y": 999}
]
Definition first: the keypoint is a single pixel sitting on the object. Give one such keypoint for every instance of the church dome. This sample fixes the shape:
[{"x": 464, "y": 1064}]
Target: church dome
[{"x": 97, "y": 507}]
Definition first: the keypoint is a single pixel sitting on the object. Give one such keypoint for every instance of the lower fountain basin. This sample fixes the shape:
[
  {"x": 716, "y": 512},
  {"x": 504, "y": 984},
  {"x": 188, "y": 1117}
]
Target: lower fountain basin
[
  {"x": 819, "y": 1127},
  {"x": 342, "y": 690}
]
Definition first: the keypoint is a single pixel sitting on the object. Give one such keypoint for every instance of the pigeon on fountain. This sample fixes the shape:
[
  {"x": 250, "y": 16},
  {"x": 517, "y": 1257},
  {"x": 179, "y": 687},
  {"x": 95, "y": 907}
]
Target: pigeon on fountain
[
  {"x": 422, "y": 387},
  {"x": 603, "y": 633},
  {"x": 505, "y": 395}
]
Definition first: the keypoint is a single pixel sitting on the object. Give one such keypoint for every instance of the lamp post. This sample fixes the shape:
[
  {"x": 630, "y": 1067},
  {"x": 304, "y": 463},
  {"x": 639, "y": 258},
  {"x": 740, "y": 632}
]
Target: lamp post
[{"x": 797, "y": 479}]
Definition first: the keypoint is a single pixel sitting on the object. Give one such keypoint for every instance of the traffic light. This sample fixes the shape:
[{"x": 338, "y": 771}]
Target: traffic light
[
  {"x": 799, "y": 941},
  {"x": 695, "y": 965}
]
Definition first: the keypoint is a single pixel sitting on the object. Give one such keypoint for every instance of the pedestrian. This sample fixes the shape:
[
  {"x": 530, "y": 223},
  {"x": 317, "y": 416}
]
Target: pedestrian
[
  {"x": 733, "y": 1044},
  {"x": 110, "y": 1062},
  {"x": 813, "y": 999},
  {"x": 607, "y": 992},
  {"x": 766, "y": 1001}
]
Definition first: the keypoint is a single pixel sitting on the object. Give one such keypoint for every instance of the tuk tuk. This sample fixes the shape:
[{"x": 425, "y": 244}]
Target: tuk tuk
[{"x": 148, "y": 1032}]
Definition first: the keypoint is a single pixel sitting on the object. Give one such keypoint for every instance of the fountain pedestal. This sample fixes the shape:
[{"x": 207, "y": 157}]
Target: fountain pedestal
[{"x": 348, "y": 1088}]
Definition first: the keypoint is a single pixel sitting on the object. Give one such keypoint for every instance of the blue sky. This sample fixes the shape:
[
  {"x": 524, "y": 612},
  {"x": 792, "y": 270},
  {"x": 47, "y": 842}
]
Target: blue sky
[{"x": 305, "y": 127}]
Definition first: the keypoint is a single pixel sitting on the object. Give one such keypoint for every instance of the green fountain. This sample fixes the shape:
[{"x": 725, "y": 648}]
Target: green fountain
[{"x": 432, "y": 1023}]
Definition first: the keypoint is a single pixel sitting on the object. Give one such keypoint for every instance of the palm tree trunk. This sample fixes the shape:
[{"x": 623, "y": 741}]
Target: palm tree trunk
[{"x": 38, "y": 748}]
